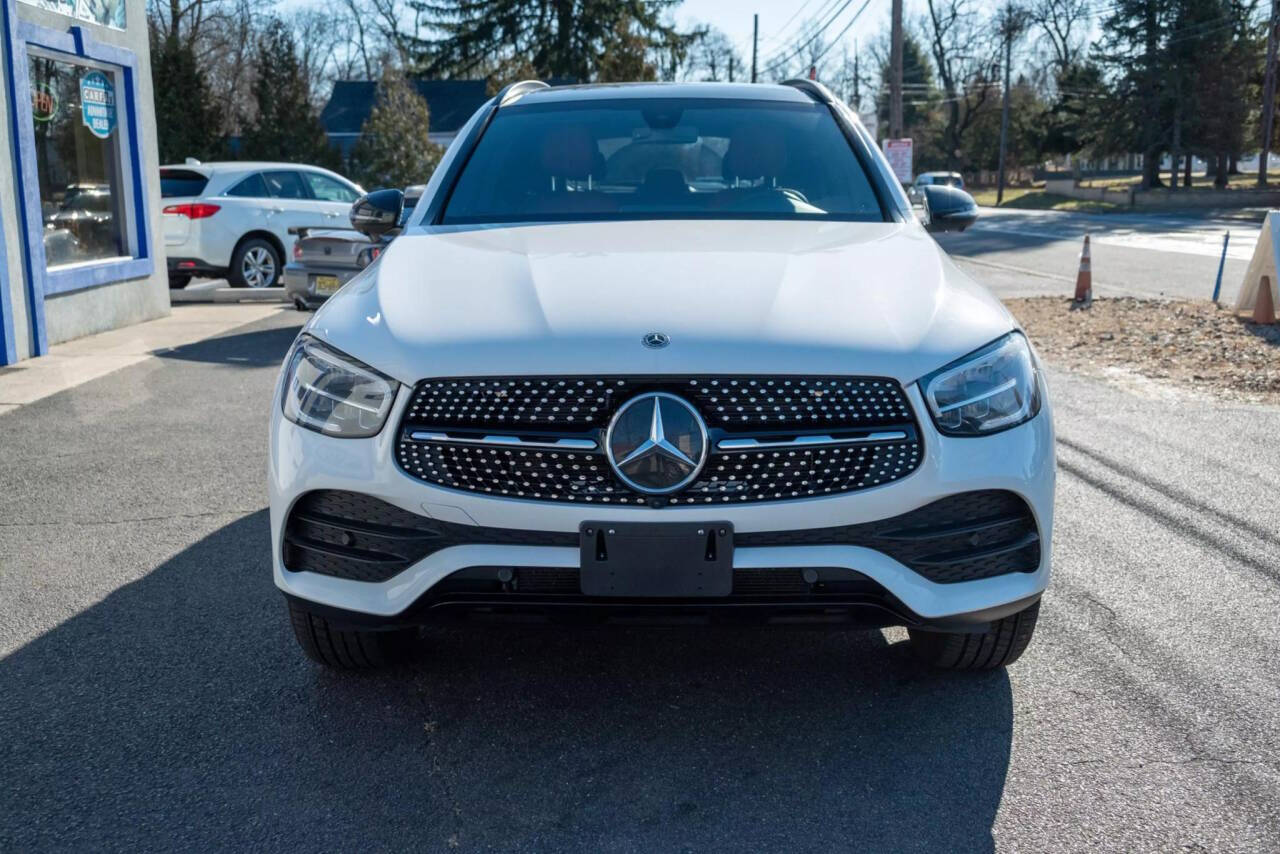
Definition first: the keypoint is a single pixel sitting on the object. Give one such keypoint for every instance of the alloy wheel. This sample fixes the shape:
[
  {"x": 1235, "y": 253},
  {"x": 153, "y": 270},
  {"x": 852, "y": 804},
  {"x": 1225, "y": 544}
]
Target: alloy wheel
[{"x": 258, "y": 268}]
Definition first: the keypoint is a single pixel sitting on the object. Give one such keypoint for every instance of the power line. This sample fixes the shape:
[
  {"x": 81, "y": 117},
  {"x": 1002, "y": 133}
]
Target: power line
[
  {"x": 777, "y": 34},
  {"x": 774, "y": 61}
]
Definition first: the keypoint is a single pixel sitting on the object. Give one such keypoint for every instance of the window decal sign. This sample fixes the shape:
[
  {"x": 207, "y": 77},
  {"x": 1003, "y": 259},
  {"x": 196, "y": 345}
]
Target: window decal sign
[
  {"x": 98, "y": 104},
  {"x": 110, "y": 13},
  {"x": 44, "y": 102}
]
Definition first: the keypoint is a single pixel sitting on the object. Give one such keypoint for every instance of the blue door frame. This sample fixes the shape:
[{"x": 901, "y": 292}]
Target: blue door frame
[{"x": 75, "y": 42}]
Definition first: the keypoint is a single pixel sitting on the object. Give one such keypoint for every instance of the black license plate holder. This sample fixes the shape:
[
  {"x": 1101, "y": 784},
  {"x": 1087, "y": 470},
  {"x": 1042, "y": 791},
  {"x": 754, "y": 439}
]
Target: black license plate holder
[{"x": 656, "y": 559}]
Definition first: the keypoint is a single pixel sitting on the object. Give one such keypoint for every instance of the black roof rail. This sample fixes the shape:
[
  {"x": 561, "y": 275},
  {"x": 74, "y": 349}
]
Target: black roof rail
[
  {"x": 514, "y": 91},
  {"x": 813, "y": 88}
]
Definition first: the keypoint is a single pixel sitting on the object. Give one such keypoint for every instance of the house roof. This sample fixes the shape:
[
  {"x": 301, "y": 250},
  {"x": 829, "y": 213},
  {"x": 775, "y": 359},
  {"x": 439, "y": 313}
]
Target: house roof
[{"x": 451, "y": 103}]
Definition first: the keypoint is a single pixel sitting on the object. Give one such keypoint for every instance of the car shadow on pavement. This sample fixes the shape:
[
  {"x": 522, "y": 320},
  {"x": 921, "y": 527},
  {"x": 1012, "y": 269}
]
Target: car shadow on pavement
[
  {"x": 178, "y": 712},
  {"x": 256, "y": 349},
  {"x": 991, "y": 239}
]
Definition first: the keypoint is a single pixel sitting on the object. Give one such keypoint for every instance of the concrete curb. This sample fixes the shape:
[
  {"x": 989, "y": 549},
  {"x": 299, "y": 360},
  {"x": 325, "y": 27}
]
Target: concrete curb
[{"x": 227, "y": 295}]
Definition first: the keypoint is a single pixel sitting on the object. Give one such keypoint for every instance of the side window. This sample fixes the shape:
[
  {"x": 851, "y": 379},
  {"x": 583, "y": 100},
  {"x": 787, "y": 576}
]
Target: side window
[
  {"x": 252, "y": 187},
  {"x": 327, "y": 189},
  {"x": 284, "y": 185}
]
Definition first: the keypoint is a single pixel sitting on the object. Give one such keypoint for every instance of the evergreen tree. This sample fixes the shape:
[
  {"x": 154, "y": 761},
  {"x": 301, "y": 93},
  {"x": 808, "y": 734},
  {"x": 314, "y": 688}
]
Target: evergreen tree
[
  {"x": 394, "y": 149},
  {"x": 188, "y": 122},
  {"x": 584, "y": 40},
  {"x": 285, "y": 127}
]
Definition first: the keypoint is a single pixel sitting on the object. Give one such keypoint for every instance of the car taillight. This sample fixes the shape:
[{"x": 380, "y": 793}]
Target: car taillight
[
  {"x": 197, "y": 210},
  {"x": 297, "y": 250},
  {"x": 368, "y": 256}
]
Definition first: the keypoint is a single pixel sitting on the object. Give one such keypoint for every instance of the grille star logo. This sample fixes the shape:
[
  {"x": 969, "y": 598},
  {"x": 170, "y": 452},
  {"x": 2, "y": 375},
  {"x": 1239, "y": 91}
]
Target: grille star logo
[{"x": 656, "y": 443}]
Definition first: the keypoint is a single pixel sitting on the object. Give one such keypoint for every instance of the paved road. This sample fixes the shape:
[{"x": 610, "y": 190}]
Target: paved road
[
  {"x": 1030, "y": 253},
  {"x": 153, "y": 696}
]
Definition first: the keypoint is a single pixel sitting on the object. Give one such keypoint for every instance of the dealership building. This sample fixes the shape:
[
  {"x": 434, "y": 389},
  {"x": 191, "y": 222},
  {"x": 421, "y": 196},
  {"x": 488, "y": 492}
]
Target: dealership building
[{"x": 80, "y": 234}]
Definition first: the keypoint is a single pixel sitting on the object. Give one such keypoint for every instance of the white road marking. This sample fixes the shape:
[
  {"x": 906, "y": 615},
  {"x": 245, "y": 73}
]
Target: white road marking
[{"x": 1197, "y": 241}]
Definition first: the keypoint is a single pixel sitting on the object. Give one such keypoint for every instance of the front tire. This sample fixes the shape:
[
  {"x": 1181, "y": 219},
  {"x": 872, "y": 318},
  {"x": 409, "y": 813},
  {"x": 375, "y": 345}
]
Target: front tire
[
  {"x": 345, "y": 649},
  {"x": 255, "y": 264},
  {"x": 999, "y": 646}
]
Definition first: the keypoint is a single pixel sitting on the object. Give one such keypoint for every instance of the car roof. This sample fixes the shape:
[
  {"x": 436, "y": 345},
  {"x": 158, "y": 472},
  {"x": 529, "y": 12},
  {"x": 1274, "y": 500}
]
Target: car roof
[
  {"x": 240, "y": 166},
  {"x": 610, "y": 91}
]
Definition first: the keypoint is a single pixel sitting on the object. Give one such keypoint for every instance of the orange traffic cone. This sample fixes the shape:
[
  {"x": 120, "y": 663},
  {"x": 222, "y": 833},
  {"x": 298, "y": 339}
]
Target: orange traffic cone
[
  {"x": 1084, "y": 279},
  {"x": 1264, "y": 308}
]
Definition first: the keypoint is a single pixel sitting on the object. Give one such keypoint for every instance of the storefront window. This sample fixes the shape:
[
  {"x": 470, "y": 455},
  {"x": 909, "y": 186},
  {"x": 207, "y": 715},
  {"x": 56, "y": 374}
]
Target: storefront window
[{"x": 77, "y": 161}]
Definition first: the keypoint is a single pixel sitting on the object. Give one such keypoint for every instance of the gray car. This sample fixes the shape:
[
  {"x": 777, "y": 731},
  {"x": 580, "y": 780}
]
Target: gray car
[{"x": 325, "y": 259}]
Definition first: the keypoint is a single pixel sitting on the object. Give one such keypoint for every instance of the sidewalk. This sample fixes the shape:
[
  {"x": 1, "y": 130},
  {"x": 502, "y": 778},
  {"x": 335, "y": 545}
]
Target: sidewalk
[{"x": 84, "y": 359}]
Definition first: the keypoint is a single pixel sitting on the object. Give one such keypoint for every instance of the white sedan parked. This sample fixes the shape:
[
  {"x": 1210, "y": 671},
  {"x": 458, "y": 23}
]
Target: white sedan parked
[{"x": 233, "y": 219}]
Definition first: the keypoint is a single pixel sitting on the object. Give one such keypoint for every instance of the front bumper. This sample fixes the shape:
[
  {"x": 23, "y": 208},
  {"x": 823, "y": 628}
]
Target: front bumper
[{"x": 1018, "y": 461}]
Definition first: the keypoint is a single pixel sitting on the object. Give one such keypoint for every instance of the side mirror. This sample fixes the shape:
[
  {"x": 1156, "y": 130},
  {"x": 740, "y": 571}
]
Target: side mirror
[
  {"x": 948, "y": 208},
  {"x": 376, "y": 213}
]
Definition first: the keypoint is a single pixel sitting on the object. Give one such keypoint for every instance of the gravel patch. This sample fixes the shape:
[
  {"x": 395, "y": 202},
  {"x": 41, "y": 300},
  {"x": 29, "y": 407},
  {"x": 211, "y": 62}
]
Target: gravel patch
[{"x": 1196, "y": 345}]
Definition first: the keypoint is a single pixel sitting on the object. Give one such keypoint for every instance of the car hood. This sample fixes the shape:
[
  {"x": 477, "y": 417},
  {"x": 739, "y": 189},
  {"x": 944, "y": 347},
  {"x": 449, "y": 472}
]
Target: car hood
[{"x": 734, "y": 297}]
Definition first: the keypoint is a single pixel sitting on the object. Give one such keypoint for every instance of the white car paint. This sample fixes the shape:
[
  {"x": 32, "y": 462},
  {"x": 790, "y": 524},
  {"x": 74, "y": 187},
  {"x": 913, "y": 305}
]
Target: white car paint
[
  {"x": 874, "y": 299},
  {"x": 770, "y": 297},
  {"x": 213, "y": 239},
  {"x": 737, "y": 297}
]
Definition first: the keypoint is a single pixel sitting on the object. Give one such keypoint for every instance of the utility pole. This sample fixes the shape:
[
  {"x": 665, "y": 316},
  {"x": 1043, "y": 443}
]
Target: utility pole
[
  {"x": 1012, "y": 22},
  {"x": 895, "y": 71},
  {"x": 755, "y": 43},
  {"x": 857, "y": 96},
  {"x": 1268, "y": 96},
  {"x": 730, "y": 68}
]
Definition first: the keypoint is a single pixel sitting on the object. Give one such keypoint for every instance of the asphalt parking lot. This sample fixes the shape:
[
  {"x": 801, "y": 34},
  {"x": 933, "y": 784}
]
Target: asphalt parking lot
[{"x": 154, "y": 696}]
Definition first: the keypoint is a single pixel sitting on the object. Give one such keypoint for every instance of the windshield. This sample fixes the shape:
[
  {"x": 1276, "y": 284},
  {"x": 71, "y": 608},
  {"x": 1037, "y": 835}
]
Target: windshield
[
  {"x": 79, "y": 198},
  {"x": 662, "y": 158}
]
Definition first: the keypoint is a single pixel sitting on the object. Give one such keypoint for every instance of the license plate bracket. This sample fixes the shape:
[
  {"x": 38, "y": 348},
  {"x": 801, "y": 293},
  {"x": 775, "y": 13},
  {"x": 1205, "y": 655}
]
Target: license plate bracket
[{"x": 656, "y": 559}]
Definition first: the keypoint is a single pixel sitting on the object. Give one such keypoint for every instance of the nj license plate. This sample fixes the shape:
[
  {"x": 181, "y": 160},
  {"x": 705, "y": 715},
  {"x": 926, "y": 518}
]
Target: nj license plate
[
  {"x": 326, "y": 285},
  {"x": 675, "y": 559}
]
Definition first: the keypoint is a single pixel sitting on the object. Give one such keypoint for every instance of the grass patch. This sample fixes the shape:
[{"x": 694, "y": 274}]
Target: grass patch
[
  {"x": 1243, "y": 181},
  {"x": 1031, "y": 198}
]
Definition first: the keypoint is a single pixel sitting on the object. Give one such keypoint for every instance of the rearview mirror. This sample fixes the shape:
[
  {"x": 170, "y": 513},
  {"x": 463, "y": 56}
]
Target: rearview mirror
[
  {"x": 377, "y": 213},
  {"x": 948, "y": 208}
]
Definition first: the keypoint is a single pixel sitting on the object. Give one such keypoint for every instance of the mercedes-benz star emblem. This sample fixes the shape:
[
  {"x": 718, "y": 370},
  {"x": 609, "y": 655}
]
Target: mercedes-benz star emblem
[
  {"x": 656, "y": 443},
  {"x": 656, "y": 340}
]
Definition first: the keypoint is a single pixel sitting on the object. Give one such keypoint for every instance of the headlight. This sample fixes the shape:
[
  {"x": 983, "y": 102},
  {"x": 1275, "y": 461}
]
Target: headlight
[
  {"x": 990, "y": 389},
  {"x": 335, "y": 394}
]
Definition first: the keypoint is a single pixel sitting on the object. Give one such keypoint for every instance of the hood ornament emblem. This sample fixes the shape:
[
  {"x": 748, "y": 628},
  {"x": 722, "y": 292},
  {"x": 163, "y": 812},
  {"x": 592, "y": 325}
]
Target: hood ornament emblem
[
  {"x": 656, "y": 443},
  {"x": 656, "y": 340}
]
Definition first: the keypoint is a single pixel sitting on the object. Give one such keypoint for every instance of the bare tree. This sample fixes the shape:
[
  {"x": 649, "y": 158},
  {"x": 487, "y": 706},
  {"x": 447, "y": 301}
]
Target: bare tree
[
  {"x": 966, "y": 54},
  {"x": 714, "y": 58},
  {"x": 1063, "y": 25},
  {"x": 809, "y": 49}
]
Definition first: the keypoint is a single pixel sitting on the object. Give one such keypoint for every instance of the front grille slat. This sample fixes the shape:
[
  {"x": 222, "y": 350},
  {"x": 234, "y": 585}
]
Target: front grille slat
[
  {"x": 729, "y": 402},
  {"x": 436, "y": 440}
]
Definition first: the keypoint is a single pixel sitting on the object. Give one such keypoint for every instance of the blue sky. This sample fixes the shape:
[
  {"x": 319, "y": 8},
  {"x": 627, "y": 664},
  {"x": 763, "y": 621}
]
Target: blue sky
[{"x": 780, "y": 23}]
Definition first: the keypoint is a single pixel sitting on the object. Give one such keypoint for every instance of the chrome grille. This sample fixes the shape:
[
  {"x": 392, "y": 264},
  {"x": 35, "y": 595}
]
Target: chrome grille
[
  {"x": 735, "y": 403},
  {"x": 540, "y": 438}
]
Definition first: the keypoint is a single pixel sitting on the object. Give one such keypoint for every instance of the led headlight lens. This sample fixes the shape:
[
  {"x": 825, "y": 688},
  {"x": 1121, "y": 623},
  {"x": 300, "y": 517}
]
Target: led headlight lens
[
  {"x": 991, "y": 389},
  {"x": 334, "y": 394}
]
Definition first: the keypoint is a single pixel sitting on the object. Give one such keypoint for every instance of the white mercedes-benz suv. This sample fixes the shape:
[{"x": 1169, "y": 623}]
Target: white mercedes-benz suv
[{"x": 663, "y": 352}]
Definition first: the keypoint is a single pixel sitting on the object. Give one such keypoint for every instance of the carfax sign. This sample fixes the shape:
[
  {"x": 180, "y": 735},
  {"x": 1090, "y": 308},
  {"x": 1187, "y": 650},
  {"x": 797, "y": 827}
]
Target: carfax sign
[{"x": 98, "y": 104}]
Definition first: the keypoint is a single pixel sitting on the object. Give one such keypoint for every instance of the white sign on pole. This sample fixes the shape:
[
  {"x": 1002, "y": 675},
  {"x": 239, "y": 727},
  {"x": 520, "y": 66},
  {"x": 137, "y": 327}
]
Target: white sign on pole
[{"x": 898, "y": 152}]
